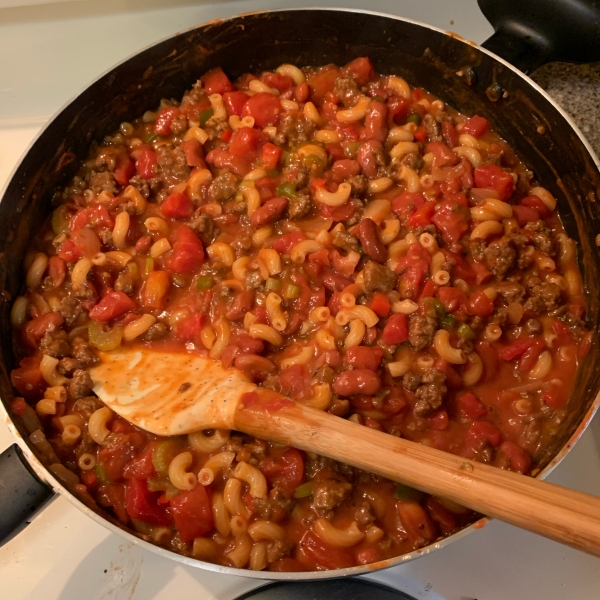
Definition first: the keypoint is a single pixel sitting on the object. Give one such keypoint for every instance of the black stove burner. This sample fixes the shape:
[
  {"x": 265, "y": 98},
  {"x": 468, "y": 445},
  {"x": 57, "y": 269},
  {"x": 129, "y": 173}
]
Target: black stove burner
[{"x": 338, "y": 589}]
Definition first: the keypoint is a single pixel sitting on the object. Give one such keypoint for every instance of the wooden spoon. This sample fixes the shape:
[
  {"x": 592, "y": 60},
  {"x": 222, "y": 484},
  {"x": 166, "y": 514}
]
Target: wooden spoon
[{"x": 175, "y": 393}]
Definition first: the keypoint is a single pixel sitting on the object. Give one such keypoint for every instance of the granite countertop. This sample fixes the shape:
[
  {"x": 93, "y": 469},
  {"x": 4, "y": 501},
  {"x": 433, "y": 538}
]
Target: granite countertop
[{"x": 577, "y": 89}]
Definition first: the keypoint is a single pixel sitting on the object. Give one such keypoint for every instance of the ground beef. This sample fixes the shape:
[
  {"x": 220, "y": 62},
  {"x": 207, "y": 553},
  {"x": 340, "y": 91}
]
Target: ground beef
[
  {"x": 86, "y": 407},
  {"x": 103, "y": 182},
  {"x": 242, "y": 241},
  {"x": 525, "y": 258},
  {"x": 339, "y": 407},
  {"x": 55, "y": 344},
  {"x": 67, "y": 365},
  {"x": 434, "y": 131},
  {"x": 172, "y": 164},
  {"x": 70, "y": 309},
  {"x": 278, "y": 549},
  {"x": 81, "y": 351},
  {"x": 364, "y": 514},
  {"x": 346, "y": 241},
  {"x": 533, "y": 326},
  {"x": 359, "y": 184},
  {"x": 327, "y": 494},
  {"x": 543, "y": 297},
  {"x": 411, "y": 381},
  {"x": 299, "y": 206},
  {"x": 378, "y": 278},
  {"x": 431, "y": 393},
  {"x": 224, "y": 186},
  {"x": 124, "y": 283},
  {"x": 575, "y": 324},
  {"x": 477, "y": 248},
  {"x": 81, "y": 384},
  {"x": 253, "y": 280},
  {"x": 179, "y": 124},
  {"x": 293, "y": 130},
  {"x": 499, "y": 316},
  {"x": 421, "y": 331},
  {"x": 299, "y": 176},
  {"x": 156, "y": 332},
  {"x": 204, "y": 226},
  {"x": 541, "y": 237},
  {"x": 412, "y": 160},
  {"x": 346, "y": 89},
  {"x": 105, "y": 236},
  {"x": 141, "y": 185},
  {"x": 511, "y": 291},
  {"x": 500, "y": 256}
]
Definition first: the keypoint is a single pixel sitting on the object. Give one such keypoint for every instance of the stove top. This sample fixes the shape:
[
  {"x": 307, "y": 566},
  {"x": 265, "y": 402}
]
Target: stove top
[{"x": 51, "y": 52}]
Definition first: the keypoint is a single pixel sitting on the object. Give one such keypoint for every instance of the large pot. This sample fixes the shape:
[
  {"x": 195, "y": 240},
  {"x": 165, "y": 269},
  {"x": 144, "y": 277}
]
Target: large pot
[{"x": 462, "y": 74}]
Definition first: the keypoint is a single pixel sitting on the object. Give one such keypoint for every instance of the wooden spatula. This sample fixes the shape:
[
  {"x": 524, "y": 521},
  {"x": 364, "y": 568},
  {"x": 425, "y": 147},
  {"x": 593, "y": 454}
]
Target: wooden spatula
[{"x": 175, "y": 393}]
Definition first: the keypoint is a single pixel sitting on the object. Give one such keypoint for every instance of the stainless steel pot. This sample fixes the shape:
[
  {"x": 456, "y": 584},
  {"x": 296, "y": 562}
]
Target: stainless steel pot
[{"x": 467, "y": 77}]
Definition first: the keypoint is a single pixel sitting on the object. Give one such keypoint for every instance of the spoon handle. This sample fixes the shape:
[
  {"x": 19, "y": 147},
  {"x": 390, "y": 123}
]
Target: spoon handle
[{"x": 564, "y": 515}]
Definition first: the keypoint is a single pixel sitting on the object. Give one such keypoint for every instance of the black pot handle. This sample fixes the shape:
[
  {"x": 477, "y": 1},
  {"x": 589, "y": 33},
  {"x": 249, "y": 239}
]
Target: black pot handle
[{"x": 22, "y": 494}]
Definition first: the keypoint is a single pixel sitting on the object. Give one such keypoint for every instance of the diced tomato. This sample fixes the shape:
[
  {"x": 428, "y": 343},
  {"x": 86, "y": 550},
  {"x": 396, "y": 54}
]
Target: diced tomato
[
  {"x": 18, "y": 406},
  {"x": 360, "y": 69},
  {"x": 285, "y": 471},
  {"x": 295, "y": 382},
  {"x": 234, "y": 102},
  {"x": 395, "y": 330},
  {"x": 443, "y": 156},
  {"x": 192, "y": 513},
  {"x": 453, "y": 379},
  {"x": 554, "y": 398},
  {"x": 525, "y": 214},
  {"x": 489, "y": 358},
  {"x": 420, "y": 134},
  {"x": 189, "y": 328},
  {"x": 439, "y": 421},
  {"x": 141, "y": 467},
  {"x": 154, "y": 290},
  {"x": 482, "y": 273},
  {"x": 142, "y": 504},
  {"x": 265, "y": 108},
  {"x": 89, "y": 479},
  {"x": 530, "y": 356},
  {"x": 470, "y": 407},
  {"x": 216, "y": 82},
  {"x": 177, "y": 206},
  {"x": 429, "y": 289},
  {"x": 452, "y": 298},
  {"x": 37, "y": 328},
  {"x": 537, "y": 205},
  {"x": 407, "y": 203},
  {"x": 146, "y": 163},
  {"x": 397, "y": 110},
  {"x": 113, "y": 305},
  {"x": 270, "y": 156},
  {"x": 124, "y": 169},
  {"x": 83, "y": 242},
  {"x": 245, "y": 143},
  {"x": 324, "y": 554},
  {"x": 322, "y": 82},
  {"x": 194, "y": 154},
  {"x": 28, "y": 378},
  {"x": 279, "y": 82},
  {"x": 483, "y": 430},
  {"x": 365, "y": 357},
  {"x": 337, "y": 213},
  {"x": 515, "y": 349},
  {"x": 493, "y": 177},
  {"x": 286, "y": 242},
  {"x": 188, "y": 252},
  {"x": 450, "y": 134},
  {"x": 520, "y": 460},
  {"x": 475, "y": 126},
  {"x": 164, "y": 118},
  {"x": 480, "y": 305},
  {"x": 446, "y": 519},
  {"x": 93, "y": 216},
  {"x": 422, "y": 217},
  {"x": 381, "y": 305},
  {"x": 452, "y": 217}
]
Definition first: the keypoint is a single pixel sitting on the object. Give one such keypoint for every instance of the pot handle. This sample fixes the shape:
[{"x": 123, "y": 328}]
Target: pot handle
[{"x": 22, "y": 493}]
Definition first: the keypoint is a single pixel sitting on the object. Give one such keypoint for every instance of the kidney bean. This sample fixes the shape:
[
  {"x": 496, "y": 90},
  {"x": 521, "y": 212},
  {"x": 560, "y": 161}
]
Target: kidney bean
[
  {"x": 241, "y": 304},
  {"x": 249, "y": 345},
  {"x": 367, "y": 157},
  {"x": 302, "y": 92},
  {"x": 376, "y": 122},
  {"x": 344, "y": 169},
  {"x": 256, "y": 367},
  {"x": 269, "y": 212},
  {"x": 369, "y": 239},
  {"x": 334, "y": 282},
  {"x": 356, "y": 381},
  {"x": 143, "y": 244}
]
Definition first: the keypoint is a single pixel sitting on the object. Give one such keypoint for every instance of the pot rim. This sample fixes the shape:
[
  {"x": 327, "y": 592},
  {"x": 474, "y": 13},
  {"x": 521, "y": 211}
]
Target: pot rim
[{"x": 44, "y": 474}]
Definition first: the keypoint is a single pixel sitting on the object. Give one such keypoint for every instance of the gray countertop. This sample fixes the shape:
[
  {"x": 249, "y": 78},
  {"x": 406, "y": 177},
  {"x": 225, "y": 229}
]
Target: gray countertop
[{"x": 577, "y": 89}]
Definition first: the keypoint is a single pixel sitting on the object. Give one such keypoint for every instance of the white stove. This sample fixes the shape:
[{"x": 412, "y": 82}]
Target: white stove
[{"x": 49, "y": 53}]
